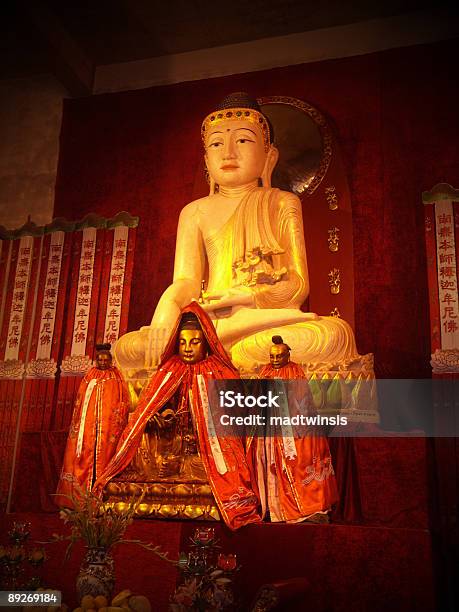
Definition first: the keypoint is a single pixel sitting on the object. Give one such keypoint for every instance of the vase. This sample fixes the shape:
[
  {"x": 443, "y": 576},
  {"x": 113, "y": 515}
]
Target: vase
[{"x": 97, "y": 575}]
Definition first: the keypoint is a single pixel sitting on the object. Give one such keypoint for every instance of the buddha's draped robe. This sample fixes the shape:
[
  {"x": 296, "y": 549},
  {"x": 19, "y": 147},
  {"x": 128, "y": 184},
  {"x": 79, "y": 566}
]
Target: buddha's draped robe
[
  {"x": 261, "y": 247},
  {"x": 298, "y": 482},
  {"x": 99, "y": 418}
]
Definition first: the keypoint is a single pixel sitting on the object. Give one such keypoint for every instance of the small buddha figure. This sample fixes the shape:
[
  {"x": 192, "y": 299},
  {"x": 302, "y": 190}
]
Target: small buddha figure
[
  {"x": 99, "y": 418},
  {"x": 176, "y": 401},
  {"x": 168, "y": 449},
  {"x": 246, "y": 241},
  {"x": 294, "y": 469}
]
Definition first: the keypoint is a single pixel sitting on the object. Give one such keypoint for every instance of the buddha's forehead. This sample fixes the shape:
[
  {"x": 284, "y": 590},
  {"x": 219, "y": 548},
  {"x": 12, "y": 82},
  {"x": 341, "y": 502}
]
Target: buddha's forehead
[
  {"x": 189, "y": 334},
  {"x": 233, "y": 125}
]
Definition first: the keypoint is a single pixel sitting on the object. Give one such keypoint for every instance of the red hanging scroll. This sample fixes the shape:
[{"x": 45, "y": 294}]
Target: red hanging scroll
[
  {"x": 441, "y": 211},
  {"x": 116, "y": 278},
  {"x": 83, "y": 302},
  {"x": 47, "y": 330},
  {"x": 98, "y": 302},
  {"x": 62, "y": 288},
  {"x": 18, "y": 300}
]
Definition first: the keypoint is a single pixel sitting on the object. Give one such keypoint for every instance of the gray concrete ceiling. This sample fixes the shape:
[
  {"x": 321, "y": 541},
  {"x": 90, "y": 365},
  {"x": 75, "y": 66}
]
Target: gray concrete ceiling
[
  {"x": 50, "y": 35},
  {"x": 124, "y": 30}
]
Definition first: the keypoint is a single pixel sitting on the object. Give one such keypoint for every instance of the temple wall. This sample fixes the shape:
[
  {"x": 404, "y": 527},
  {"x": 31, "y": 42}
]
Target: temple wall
[
  {"x": 30, "y": 121},
  {"x": 394, "y": 114},
  {"x": 31, "y": 108}
]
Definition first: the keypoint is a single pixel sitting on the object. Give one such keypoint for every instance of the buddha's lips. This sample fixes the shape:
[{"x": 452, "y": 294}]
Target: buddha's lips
[{"x": 229, "y": 167}]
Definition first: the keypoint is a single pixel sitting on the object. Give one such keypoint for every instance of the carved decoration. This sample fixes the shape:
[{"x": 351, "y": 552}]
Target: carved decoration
[
  {"x": 11, "y": 368},
  {"x": 334, "y": 280},
  {"x": 305, "y": 174},
  {"x": 333, "y": 239},
  {"x": 41, "y": 368},
  {"x": 332, "y": 197},
  {"x": 445, "y": 361},
  {"x": 72, "y": 365}
]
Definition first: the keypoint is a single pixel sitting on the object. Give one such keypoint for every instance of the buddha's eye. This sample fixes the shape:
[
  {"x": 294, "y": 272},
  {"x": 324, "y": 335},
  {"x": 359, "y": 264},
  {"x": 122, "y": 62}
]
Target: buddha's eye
[
  {"x": 243, "y": 140},
  {"x": 215, "y": 144}
]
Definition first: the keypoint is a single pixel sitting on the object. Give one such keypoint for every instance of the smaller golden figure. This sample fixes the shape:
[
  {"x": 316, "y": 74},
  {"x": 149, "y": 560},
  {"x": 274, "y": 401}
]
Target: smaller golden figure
[
  {"x": 293, "y": 464},
  {"x": 99, "y": 418},
  {"x": 170, "y": 451}
]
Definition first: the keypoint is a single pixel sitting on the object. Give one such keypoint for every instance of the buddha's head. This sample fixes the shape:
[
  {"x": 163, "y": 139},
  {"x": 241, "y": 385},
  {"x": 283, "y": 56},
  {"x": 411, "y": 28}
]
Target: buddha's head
[
  {"x": 238, "y": 145},
  {"x": 192, "y": 344},
  {"x": 279, "y": 355},
  {"x": 104, "y": 359}
]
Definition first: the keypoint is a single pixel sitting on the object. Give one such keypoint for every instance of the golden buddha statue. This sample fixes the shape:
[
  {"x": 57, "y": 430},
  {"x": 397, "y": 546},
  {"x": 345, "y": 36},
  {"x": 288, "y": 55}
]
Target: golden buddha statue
[
  {"x": 166, "y": 467},
  {"x": 246, "y": 241},
  {"x": 168, "y": 448},
  {"x": 170, "y": 452}
]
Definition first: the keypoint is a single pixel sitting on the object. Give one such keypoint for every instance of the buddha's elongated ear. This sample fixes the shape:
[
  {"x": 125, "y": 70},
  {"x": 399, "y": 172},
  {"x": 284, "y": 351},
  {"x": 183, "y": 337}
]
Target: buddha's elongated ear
[
  {"x": 213, "y": 187},
  {"x": 270, "y": 164}
]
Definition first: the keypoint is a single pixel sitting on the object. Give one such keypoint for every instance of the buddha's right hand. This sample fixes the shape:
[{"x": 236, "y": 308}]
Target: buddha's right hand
[{"x": 227, "y": 300}]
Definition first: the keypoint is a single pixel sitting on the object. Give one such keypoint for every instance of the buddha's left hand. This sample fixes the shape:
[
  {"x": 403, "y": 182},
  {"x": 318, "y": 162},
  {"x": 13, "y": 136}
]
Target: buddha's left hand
[{"x": 236, "y": 296}]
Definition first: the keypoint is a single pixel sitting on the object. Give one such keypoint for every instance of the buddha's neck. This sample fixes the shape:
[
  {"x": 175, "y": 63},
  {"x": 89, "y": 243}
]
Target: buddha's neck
[{"x": 236, "y": 192}]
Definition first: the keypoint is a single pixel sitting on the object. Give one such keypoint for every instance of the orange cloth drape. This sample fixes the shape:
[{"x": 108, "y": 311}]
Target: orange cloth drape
[
  {"x": 99, "y": 418},
  {"x": 293, "y": 488},
  {"x": 223, "y": 457}
]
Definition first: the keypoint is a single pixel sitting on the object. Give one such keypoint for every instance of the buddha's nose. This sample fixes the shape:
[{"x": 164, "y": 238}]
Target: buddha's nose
[{"x": 229, "y": 151}]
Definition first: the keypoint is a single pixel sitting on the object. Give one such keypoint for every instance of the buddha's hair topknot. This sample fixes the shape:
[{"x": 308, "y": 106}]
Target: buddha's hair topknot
[
  {"x": 239, "y": 99},
  {"x": 190, "y": 321},
  {"x": 279, "y": 340},
  {"x": 103, "y": 347}
]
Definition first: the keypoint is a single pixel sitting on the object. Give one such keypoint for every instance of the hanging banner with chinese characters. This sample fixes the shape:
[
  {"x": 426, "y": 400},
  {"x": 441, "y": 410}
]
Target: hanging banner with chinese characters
[
  {"x": 86, "y": 289},
  {"x": 19, "y": 281},
  {"x": 116, "y": 279},
  {"x": 18, "y": 301},
  {"x": 441, "y": 211},
  {"x": 116, "y": 284},
  {"x": 82, "y": 307},
  {"x": 63, "y": 287},
  {"x": 46, "y": 341},
  {"x": 98, "y": 303},
  {"x": 19, "y": 294}
]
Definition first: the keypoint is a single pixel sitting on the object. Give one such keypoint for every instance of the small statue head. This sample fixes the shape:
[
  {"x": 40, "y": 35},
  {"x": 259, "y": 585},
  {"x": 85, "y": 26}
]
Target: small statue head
[
  {"x": 104, "y": 359},
  {"x": 238, "y": 145},
  {"x": 192, "y": 345},
  {"x": 279, "y": 354}
]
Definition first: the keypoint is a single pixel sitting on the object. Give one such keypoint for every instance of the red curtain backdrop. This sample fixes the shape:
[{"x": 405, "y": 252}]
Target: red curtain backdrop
[{"x": 395, "y": 116}]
